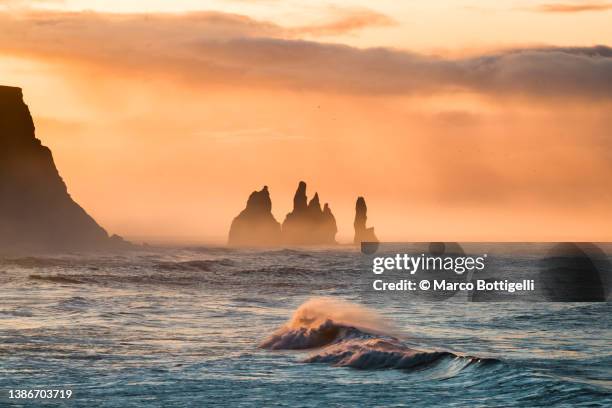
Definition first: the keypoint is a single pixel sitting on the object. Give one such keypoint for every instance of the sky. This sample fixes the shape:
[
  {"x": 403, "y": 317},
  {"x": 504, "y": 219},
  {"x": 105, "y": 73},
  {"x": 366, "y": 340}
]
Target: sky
[{"x": 456, "y": 120}]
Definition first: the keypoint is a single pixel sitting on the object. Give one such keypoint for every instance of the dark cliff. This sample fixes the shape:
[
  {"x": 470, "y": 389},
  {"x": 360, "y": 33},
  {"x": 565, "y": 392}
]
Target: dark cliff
[
  {"x": 308, "y": 224},
  {"x": 36, "y": 211},
  {"x": 255, "y": 225},
  {"x": 362, "y": 233}
]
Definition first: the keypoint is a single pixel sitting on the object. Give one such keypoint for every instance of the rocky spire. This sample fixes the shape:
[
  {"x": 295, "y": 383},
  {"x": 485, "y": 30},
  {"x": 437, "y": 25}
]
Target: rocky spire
[
  {"x": 314, "y": 206},
  {"x": 300, "y": 199},
  {"x": 308, "y": 224},
  {"x": 329, "y": 223},
  {"x": 362, "y": 233},
  {"x": 259, "y": 201},
  {"x": 255, "y": 225}
]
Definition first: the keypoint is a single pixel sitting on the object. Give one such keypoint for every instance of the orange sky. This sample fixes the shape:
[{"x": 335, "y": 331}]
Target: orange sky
[{"x": 456, "y": 120}]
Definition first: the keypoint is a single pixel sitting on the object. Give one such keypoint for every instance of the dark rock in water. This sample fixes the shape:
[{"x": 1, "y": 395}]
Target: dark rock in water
[
  {"x": 255, "y": 225},
  {"x": 36, "y": 211},
  {"x": 362, "y": 233},
  {"x": 575, "y": 272},
  {"x": 308, "y": 224}
]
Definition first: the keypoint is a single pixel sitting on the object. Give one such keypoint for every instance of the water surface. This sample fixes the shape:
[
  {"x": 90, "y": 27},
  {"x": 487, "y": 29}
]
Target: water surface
[{"x": 182, "y": 327}]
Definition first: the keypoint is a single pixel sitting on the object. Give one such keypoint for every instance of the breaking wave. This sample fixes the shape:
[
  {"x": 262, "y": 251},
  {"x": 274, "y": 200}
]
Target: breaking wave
[{"x": 347, "y": 335}]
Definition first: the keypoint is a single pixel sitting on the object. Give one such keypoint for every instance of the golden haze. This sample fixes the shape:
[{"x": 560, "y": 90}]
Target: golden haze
[{"x": 161, "y": 141}]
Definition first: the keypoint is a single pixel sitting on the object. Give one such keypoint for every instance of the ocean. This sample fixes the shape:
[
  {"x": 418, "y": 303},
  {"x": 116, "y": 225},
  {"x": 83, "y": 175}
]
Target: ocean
[{"x": 208, "y": 326}]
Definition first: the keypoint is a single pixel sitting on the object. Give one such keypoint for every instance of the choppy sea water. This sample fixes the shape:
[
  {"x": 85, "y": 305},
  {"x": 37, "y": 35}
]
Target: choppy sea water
[{"x": 207, "y": 327}]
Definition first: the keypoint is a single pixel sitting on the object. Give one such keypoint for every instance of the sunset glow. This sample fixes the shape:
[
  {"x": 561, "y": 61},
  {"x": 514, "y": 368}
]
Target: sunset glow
[{"x": 457, "y": 120}]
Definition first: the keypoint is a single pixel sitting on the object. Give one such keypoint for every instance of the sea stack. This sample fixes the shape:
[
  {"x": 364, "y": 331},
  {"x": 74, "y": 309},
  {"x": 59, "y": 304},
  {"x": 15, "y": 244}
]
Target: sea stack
[
  {"x": 255, "y": 225},
  {"x": 308, "y": 224},
  {"x": 36, "y": 211},
  {"x": 362, "y": 233}
]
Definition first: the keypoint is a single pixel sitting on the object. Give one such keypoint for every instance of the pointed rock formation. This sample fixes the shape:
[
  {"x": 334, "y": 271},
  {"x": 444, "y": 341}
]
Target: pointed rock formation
[
  {"x": 36, "y": 211},
  {"x": 362, "y": 233},
  {"x": 300, "y": 199},
  {"x": 314, "y": 207},
  {"x": 329, "y": 227},
  {"x": 308, "y": 224},
  {"x": 255, "y": 225}
]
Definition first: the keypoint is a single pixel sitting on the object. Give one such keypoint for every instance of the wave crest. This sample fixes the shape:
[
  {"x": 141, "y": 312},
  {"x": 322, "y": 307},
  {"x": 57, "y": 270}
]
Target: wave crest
[
  {"x": 348, "y": 335},
  {"x": 302, "y": 338},
  {"x": 376, "y": 354}
]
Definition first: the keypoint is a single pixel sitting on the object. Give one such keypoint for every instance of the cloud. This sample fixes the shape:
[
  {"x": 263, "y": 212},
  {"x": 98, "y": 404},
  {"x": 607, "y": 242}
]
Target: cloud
[
  {"x": 573, "y": 7},
  {"x": 347, "y": 22},
  {"x": 27, "y": 3},
  {"x": 236, "y": 51}
]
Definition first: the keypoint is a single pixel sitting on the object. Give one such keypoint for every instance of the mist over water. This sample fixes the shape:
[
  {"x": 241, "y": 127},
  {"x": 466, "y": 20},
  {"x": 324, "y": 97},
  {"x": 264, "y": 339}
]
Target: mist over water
[
  {"x": 317, "y": 311},
  {"x": 228, "y": 327}
]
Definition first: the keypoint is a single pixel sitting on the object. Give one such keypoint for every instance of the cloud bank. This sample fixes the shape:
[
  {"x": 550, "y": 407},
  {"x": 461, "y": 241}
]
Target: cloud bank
[
  {"x": 234, "y": 50},
  {"x": 573, "y": 8}
]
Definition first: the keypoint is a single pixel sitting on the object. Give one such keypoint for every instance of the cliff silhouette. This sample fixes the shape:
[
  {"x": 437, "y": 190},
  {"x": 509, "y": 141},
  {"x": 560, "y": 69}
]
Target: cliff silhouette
[
  {"x": 362, "y": 232},
  {"x": 36, "y": 211},
  {"x": 308, "y": 224},
  {"x": 255, "y": 225}
]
